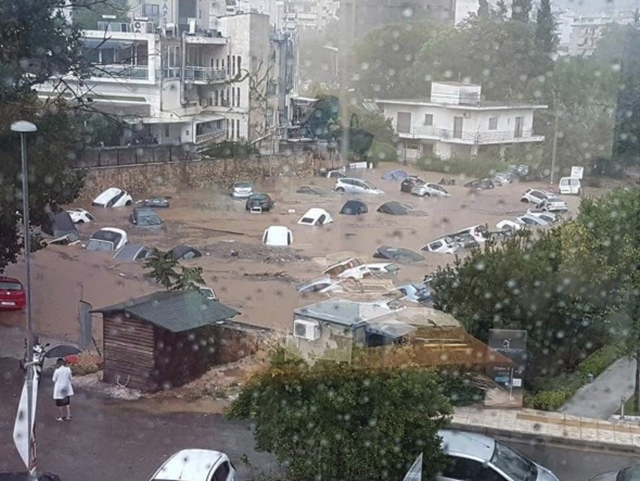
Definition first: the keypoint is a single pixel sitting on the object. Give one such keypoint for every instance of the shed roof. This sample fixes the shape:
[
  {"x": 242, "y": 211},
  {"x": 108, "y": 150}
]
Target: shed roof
[
  {"x": 175, "y": 311},
  {"x": 344, "y": 312}
]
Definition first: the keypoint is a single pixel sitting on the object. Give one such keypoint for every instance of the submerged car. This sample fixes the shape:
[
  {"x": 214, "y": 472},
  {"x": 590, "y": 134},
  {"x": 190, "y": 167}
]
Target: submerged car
[
  {"x": 430, "y": 189},
  {"x": 554, "y": 204},
  {"x": 316, "y": 216},
  {"x": 107, "y": 239},
  {"x": 113, "y": 197},
  {"x": 473, "y": 456},
  {"x": 145, "y": 217},
  {"x": 196, "y": 465},
  {"x": 155, "y": 203},
  {"x": 398, "y": 254},
  {"x": 320, "y": 284},
  {"x": 410, "y": 183},
  {"x": 480, "y": 184},
  {"x": 80, "y": 216},
  {"x": 12, "y": 294},
  {"x": 277, "y": 235},
  {"x": 133, "y": 253},
  {"x": 184, "y": 252},
  {"x": 259, "y": 202},
  {"x": 444, "y": 245},
  {"x": 417, "y": 292},
  {"x": 535, "y": 196},
  {"x": 356, "y": 186},
  {"x": 241, "y": 190},
  {"x": 310, "y": 190}
]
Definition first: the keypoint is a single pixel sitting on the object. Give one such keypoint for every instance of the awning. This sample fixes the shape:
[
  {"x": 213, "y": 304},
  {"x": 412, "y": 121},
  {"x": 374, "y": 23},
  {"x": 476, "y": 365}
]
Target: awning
[{"x": 175, "y": 119}]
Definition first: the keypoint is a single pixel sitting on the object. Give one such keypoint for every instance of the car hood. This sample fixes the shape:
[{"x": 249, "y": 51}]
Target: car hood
[{"x": 545, "y": 475}]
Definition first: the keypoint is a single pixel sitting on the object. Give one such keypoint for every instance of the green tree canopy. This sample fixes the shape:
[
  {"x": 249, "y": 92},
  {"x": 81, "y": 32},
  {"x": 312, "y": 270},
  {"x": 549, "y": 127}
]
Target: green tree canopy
[
  {"x": 335, "y": 421},
  {"x": 87, "y": 13},
  {"x": 165, "y": 269}
]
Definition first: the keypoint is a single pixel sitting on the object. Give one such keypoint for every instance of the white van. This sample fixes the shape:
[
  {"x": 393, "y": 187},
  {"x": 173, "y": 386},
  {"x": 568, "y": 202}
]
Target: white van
[
  {"x": 570, "y": 185},
  {"x": 277, "y": 235}
]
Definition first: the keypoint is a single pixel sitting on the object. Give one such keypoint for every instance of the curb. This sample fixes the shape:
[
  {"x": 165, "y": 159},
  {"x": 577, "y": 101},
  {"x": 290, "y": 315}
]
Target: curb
[{"x": 505, "y": 434}]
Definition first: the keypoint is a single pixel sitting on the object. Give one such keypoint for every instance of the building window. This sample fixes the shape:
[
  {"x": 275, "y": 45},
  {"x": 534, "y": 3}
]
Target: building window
[
  {"x": 458, "y": 123},
  {"x": 238, "y": 97},
  {"x": 167, "y": 131},
  {"x": 229, "y": 64},
  {"x": 233, "y": 129},
  {"x": 238, "y": 128},
  {"x": 239, "y": 63},
  {"x": 151, "y": 11},
  {"x": 428, "y": 120},
  {"x": 233, "y": 97},
  {"x": 493, "y": 123},
  {"x": 404, "y": 122}
]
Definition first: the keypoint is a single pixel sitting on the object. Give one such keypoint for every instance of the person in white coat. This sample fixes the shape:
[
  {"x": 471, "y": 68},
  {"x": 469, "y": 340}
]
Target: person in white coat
[{"x": 62, "y": 389}]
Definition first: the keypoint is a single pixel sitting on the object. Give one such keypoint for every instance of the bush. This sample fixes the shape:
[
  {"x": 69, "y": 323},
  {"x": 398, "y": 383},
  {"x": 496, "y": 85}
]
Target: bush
[
  {"x": 477, "y": 167},
  {"x": 84, "y": 363},
  {"x": 548, "y": 400},
  {"x": 460, "y": 390},
  {"x": 382, "y": 152},
  {"x": 597, "y": 362}
]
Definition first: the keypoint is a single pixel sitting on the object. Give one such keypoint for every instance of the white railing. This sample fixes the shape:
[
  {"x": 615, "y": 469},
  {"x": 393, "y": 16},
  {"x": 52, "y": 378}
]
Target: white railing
[
  {"x": 208, "y": 136},
  {"x": 468, "y": 135}
]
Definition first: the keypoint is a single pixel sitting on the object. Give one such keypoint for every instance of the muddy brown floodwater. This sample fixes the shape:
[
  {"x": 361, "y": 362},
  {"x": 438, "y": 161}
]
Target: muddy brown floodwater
[{"x": 264, "y": 292}]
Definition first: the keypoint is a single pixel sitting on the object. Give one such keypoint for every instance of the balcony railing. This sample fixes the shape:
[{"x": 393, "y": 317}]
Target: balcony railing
[
  {"x": 208, "y": 136},
  {"x": 121, "y": 71},
  {"x": 205, "y": 74},
  {"x": 488, "y": 137}
]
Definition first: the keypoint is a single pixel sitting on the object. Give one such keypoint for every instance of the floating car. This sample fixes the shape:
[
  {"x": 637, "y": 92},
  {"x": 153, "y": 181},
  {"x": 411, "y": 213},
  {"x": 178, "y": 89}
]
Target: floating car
[
  {"x": 80, "y": 216},
  {"x": 113, "y": 197},
  {"x": 107, "y": 239}
]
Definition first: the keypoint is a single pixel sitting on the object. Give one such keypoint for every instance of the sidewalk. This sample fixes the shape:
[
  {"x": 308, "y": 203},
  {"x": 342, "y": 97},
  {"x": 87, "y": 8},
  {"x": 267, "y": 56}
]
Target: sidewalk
[
  {"x": 558, "y": 428},
  {"x": 601, "y": 398}
]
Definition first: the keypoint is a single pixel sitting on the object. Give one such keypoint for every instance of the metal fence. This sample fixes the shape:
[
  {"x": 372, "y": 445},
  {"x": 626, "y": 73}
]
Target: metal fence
[{"x": 133, "y": 155}]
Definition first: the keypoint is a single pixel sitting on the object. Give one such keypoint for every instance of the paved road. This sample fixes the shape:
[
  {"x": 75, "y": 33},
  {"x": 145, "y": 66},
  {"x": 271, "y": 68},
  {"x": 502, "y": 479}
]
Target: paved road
[
  {"x": 601, "y": 398},
  {"x": 572, "y": 464}
]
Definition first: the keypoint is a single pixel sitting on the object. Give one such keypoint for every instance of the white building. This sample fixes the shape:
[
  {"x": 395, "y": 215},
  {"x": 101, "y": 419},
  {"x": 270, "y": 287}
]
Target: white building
[
  {"x": 454, "y": 121},
  {"x": 587, "y": 30},
  {"x": 177, "y": 84}
]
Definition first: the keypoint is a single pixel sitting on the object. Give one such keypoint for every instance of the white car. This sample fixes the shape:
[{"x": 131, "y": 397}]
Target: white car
[
  {"x": 320, "y": 284},
  {"x": 363, "y": 270},
  {"x": 509, "y": 225},
  {"x": 548, "y": 217},
  {"x": 196, "y": 465},
  {"x": 107, "y": 239},
  {"x": 445, "y": 245},
  {"x": 531, "y": 220},
  {"x": 570, "y": 185},
  {"x": 356, "y": 186},
  {"x": 113, "y": 197},
  {"x": 80, "y": 216},
  {"x": 429, "y": 190},
  {"x": 478, "y": 232},
  {"x": 553, "y": 204},
  {"x": 475, "y": 456},
  {"x": 535, "y": 196},
  {"x": 277, "y": 235},
  {"x": 242, "y": 190},
  {"x": 316, "y": 216}
]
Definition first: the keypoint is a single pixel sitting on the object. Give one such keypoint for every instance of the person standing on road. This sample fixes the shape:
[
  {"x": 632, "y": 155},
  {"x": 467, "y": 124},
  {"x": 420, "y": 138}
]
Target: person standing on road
[{"x": 62, "y": 390}]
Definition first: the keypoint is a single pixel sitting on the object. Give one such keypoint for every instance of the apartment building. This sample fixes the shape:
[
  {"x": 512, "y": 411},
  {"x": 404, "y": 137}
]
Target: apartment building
[
  {"x": 456, "y": 122},
  {"x": 587, "y": 30},
  {"x": 177, "y": 78}
]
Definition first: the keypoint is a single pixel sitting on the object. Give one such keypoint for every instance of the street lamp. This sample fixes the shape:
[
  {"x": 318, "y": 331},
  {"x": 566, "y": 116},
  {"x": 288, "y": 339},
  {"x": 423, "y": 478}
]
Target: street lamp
[{"x": 23, "y": 128}]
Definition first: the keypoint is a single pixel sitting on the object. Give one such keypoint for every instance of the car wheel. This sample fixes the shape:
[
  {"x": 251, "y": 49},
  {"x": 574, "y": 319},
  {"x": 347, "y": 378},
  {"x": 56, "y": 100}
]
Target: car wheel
[
  {"x": 129, "y": 203},
  {"x": 340, "y": 189},
  {"x": 80, "y": 222},
  {"x": 525, "y": 201}
]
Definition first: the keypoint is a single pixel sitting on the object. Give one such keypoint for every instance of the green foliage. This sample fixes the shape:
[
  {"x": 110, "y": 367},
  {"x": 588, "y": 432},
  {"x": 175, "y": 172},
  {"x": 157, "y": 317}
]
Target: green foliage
[
  {"x": 549, "y": 285},
  {"x": 546, "y": 37},
  {"x": 548, "y": 400},
  {"x": 375, "y": 123},
  {"x": 483, "y": 9},
  {"x": 459, "y": 389},
  {"x": 167, "y": 271},
  {"x": 477, "y": 167},
  {"x": 87, "y": 13},
  {"x": 597, "y": 362},
  {"x": 344, "y": 422},
  {"x": 230, "y": 149},
  {"x": 626, "y": 146},
  {"x": 521, "y": 10},
  {"x": 380, "y": 152}
]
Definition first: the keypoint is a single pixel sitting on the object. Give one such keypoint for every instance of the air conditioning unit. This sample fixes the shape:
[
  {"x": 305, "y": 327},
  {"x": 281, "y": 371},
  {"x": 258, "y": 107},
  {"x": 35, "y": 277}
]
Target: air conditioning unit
[
  {"x": 308, "y": 330},
  {"x": 139, "y": 26}
]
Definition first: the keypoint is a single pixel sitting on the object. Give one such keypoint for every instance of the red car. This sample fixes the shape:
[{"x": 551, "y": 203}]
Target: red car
[{"x": 12, "y": 295}]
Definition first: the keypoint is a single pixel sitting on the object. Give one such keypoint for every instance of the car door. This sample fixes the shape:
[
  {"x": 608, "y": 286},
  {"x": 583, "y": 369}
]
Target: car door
[
  {"x": 465, "y": 469},
  {"x": 359, "y": 187}
]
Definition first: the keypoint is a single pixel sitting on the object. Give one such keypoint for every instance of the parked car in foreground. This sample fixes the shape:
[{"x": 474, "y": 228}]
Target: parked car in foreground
[
  {"x": 445, "y": 245},
  {"x": 535, "y": 196},
  {"x": 429, "y": 189},
  {"x": 473, "y": 456},
  {"x": 107, "y": 239},
  {"x": 113, "y": 197},
  {"x": 531, "y": 220},
  {"x": 356, "y": 186},
  {"x": 145, "y": 217},
  {"x": 548, "y": 217},
  {"x": 260, "y": 202},
  {"x": 631, "y": 473},
  {"x": 12, "y": 294},
  {"x": 29, "y": 477},
  {"x": 410, "y": 183},
  {"x": 80, "y": 216},
  {"x": 241, "y": 190},
  {"x": 554, "y": 204},
  {"x": 196, "y": 465}
]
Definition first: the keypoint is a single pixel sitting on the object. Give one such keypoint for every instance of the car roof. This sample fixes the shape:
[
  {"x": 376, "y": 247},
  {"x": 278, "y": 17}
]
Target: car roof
[
  {"x": 145, "y": 211},
  {"x": 129, "y": 251},
  {"x": 315, "y": 212},
  {"x": 190, "y": 465},
  {"x": 277, "y": 228},
  {"x": 9, "y": 279},
  {"x": 466, "y": 444}
]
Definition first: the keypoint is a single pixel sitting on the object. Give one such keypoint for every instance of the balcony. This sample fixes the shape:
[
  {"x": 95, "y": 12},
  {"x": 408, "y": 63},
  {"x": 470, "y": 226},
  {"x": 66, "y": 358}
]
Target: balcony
[
  {"x": 471, "y": 137},
  {"x": 209, "y": 136},
  {"x": 117, "y": 71},
  {"x": 205, "y": 74}
]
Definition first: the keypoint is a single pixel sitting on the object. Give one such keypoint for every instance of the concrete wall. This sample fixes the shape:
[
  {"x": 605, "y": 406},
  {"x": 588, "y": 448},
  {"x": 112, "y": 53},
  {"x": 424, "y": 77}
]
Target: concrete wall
[{"x": 141, "y": 180}]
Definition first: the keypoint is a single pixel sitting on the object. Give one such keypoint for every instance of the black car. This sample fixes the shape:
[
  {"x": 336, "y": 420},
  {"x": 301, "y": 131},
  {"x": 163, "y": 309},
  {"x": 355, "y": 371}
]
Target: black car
[
  {"x": 409, "y": 183},
  {"x": 480, "y": 184},
  {"x": 262, "y": 201},
  {"x": 155, "y": 202},
  {"x": 145, "y": 217}
]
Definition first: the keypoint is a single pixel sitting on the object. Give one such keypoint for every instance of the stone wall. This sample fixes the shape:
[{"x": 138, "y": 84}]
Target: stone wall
[{"x": 141, "y": 180}]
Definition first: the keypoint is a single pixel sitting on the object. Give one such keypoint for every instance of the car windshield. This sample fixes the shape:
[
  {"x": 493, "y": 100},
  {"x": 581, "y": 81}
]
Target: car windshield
[
  {"x": 512, "y": 463},
  {"x": 242, "y": 185},
  {"x": 10, "y": 286},
  {"x": 149, "y": 220},
  {"x": 259, "y": 197},
  {"x": 99, "y": 245},
  {"x": 555, "y": 200}
]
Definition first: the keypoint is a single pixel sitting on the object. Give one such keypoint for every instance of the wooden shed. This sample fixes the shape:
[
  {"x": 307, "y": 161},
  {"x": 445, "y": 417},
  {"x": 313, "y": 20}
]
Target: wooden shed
[{"x": 162, "y": 340}]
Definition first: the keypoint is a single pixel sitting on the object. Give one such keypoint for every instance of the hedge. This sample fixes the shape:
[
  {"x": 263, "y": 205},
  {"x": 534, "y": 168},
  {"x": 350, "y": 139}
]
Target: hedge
[
  {"x": 598, "y": 361},
  {"x": 548, "y": 400},
  {"x": 460, "y": 390},
  {"x": 476, "y": 167}
]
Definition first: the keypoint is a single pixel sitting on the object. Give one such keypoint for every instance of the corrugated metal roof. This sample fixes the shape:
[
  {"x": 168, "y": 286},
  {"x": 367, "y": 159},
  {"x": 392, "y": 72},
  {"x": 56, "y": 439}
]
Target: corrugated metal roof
[
  {"x": 175, "y": 311},
  {"x": 344, "y": 312}
]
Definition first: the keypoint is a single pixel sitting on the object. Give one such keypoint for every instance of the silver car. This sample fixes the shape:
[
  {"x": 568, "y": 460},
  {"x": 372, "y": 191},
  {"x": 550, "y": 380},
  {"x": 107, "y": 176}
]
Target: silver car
[
  {"x": 429, "y": 190},
  {"x": 474, "y": 457}
]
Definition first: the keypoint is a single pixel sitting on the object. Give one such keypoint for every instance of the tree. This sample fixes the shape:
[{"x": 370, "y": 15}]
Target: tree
[
  {"x": 345, "y": 421},
  {"x": 483, "y": 9},
  {"x": 521, "y": 10},
  {"x": 501, "y": 10},
  {"x": 87, "y": 13},
  {"x": 550, "y": 286},
  {"x": 375, "y": 123},
  {"x": 36, "y": 43},
  {"x": 546, "y": 37},
  {"x": 163, "y": 268}
]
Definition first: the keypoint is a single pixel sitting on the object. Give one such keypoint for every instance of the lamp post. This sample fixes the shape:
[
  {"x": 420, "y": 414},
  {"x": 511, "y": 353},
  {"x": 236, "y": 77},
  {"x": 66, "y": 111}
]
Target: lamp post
[{"x": 23, "y": 128}]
